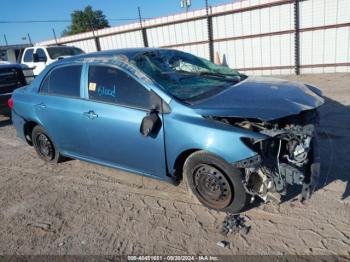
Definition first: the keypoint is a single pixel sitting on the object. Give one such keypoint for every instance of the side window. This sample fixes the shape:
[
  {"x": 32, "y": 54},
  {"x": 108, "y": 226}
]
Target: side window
[
  {"x": 63, "y": 81},
  {"x": 41, "y": 55},
  {"x": 111, "y": 85},
  {"x": 28, "y": 56},
  {"x": 44, "y": 88}
]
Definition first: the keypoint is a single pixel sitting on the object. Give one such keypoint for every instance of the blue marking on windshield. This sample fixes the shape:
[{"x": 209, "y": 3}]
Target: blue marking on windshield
[{"x": 105, "y": 91}]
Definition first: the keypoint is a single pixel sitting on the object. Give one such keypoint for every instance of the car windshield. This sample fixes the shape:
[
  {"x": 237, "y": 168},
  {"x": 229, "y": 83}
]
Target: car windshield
[
  {"x": 185, "y": 76},
  {"x": 55, "y": 52}
]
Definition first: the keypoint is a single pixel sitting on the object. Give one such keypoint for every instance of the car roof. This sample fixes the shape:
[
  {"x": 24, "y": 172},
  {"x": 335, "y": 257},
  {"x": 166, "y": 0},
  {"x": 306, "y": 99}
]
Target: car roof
[
  {"x": 2, "y": 66},
  {"x": 128, "y": 52},
  {"x": 110, "y": 57},
  {"x": 47, "y": 46}
]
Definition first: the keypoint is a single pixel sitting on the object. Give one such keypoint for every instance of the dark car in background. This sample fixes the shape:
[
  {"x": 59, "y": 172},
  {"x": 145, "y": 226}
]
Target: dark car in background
[{"x": 11, "y": 77}]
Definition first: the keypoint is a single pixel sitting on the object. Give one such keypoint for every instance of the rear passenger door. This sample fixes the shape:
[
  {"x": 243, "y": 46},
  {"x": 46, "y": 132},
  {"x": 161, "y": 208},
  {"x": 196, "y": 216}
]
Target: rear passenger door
[
  {"x": 60, "y": 109},
  {"x": 116, "y": 106}
]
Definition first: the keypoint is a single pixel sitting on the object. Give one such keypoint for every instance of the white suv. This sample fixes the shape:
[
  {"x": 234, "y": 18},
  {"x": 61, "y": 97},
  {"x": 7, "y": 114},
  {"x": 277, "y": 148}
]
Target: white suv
[{"x": 38, "y": 57}]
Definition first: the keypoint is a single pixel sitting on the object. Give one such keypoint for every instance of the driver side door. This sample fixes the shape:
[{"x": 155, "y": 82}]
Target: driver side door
[{"x": 116, "y": 106}]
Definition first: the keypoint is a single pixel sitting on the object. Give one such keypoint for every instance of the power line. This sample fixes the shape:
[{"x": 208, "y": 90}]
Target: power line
[
  {"x": 33, "y": 21},
  {"x": 58, "y": 21}
]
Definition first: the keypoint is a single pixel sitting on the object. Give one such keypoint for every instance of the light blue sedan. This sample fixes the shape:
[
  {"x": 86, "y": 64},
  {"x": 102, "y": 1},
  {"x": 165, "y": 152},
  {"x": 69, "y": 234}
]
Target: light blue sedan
[{"x": 174, "y": 116}]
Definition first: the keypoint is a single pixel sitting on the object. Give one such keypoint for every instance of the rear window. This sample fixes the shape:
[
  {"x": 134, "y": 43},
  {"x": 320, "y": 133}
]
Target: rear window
[
  {"x": 10, "y": 78},
  {"x": 28, "y": 56},
  {"x": 63, "y": 81},
  {"x": 56, "y": 52}
]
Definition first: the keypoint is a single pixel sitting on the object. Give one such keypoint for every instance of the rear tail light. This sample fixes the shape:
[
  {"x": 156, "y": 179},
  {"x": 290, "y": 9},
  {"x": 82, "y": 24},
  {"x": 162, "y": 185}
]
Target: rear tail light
[{"x": 10, "y": 103}]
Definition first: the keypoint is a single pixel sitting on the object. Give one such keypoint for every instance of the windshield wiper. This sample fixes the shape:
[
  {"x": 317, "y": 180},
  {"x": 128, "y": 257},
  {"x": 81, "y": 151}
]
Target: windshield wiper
[
  {"x": 196, "y": 97},
  {"x": 186, "y": 74},
  {"x": 231, "y": 77},
  {"x": 212, "y": 74}
]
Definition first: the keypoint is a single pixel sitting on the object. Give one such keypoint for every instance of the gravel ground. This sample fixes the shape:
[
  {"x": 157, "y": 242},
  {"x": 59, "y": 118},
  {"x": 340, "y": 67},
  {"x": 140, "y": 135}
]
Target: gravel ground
[{"x": 81, "y": 208}]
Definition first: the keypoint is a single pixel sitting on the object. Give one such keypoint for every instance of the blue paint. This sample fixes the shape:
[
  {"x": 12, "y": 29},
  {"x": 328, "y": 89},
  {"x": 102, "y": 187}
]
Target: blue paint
[
  {"x": 104, "y": 91},
  {"x": 114, "y": 139}
]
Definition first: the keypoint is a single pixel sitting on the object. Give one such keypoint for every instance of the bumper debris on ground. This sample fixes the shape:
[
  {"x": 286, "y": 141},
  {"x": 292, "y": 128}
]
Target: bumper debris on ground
[{"x": 233, "y": 224}]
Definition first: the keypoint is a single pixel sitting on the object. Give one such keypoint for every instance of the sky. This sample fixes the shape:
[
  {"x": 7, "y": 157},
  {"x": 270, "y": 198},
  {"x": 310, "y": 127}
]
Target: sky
[{"x": 24, "y": 10}]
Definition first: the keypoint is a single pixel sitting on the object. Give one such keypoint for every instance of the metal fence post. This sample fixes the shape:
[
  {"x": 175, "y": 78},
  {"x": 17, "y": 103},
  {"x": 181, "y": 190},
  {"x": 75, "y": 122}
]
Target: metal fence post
[
  {"x": 210, "y": 32},
  {"x": 30, "y": 40},
  {"x": 6, "y": 43},
  {"x": 297, "y": 37},
  {"x": 143, "y": 30},
  {"x": 54, "y": 35},
  {"x": 97, "y": 43}
]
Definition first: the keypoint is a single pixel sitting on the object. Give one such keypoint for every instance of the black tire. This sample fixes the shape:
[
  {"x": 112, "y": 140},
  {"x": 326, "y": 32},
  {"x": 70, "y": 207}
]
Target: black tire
[
  {"x": 214, "y": 182},
  {"x": 44, "y": 146}
]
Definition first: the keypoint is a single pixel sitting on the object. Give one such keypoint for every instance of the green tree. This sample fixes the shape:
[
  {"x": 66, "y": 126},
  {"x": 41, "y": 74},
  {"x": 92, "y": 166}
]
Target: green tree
[{"x": 86, "y": 20}]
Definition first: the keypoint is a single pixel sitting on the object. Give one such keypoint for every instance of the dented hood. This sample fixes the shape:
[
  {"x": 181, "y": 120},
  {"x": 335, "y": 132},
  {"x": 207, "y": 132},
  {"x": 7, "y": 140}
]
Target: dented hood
[{"x": 260, "y": 98}]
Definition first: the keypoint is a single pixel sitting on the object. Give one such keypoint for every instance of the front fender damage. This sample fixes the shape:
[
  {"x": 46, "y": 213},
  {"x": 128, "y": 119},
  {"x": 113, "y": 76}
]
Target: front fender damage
[{"x": 289, "y": 156}]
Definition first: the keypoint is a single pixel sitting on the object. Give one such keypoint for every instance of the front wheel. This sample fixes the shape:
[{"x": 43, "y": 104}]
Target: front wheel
[
  {"x": 44, "y": 146},
  {"x": 215, "y": 183}
]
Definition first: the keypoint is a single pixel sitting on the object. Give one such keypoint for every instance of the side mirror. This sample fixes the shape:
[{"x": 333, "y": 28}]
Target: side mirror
[
  {"x": 43, "y": 59},
  {"x": 150, "y": 125},
  {"x": 35, "y": 58}
]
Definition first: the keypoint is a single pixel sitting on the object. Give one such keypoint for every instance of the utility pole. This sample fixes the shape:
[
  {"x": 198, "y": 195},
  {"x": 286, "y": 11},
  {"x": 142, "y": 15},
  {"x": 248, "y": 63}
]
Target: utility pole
[
  {"x": 143, "y": 30},
  {"x": 5, "y": 40},
  {"x": 54, "y": 35},
  {"x": 185, "y": 4}
]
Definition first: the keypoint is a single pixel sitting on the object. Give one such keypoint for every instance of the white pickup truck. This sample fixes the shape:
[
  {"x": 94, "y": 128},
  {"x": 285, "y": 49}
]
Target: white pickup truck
[{"x": 38, "y": 57}]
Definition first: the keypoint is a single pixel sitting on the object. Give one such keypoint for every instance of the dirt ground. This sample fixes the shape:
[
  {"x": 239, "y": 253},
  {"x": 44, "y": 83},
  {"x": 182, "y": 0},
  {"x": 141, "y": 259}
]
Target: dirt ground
[{"x": 81, "y": 208}]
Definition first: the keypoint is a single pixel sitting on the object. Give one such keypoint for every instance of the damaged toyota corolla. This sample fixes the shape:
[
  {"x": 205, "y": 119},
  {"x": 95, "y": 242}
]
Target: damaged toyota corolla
[{"x": 176, "y": 117}]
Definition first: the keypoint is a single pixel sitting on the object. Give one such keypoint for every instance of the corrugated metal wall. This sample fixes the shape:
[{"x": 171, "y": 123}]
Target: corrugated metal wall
[
  {"x": 254, "y": 36},
  {"x": 260, "y": 51},
  {"x": 325, "y": 46}
]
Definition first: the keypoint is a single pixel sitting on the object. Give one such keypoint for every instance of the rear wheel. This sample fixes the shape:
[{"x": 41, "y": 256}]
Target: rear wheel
[
  {"x": 215, "y": 183},
  {"x": 44, "y": 146}
]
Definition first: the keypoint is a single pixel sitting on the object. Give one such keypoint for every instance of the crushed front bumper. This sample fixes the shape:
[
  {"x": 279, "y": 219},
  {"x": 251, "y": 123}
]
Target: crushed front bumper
[
  {"x": 282, "y": 160},
  {"x": 310, "y": 186}
]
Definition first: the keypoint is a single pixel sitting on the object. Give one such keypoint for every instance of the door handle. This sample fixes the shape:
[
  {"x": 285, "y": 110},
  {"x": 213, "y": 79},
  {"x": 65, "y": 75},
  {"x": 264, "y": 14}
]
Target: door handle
[
  {"x": 41, "y": 105},
  {"x": 91, "y": 114}
]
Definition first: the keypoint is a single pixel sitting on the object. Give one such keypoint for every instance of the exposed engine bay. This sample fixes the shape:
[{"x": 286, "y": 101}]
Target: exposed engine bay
[{"x": 287, "y": 157}]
